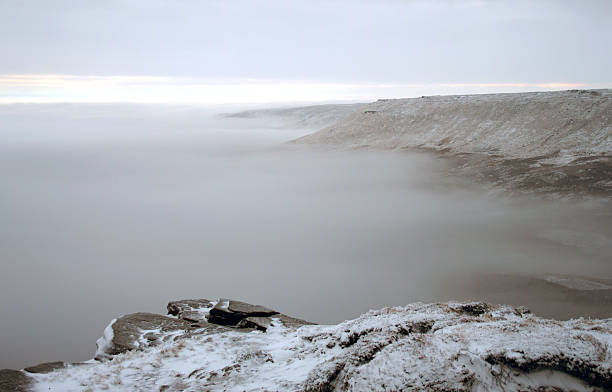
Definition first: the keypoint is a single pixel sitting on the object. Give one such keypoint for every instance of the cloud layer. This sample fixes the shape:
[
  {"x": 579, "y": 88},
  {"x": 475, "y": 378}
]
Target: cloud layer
[{"x": 339, "y": 41}]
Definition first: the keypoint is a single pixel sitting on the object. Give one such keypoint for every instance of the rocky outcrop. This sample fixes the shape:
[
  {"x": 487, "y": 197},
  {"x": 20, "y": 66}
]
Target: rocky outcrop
[
  {"x": 139, "y": 331},
  {"x": 228, "y": 312},
  {"x": 472, "y": 346},
  {"x": 14, "y": 381},
  {"x": 142, "y": 330}
]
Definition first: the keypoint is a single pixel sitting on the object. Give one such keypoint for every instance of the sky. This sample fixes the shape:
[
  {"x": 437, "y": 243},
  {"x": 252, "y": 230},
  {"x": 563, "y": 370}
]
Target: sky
[{"x": 283, "y": 50}]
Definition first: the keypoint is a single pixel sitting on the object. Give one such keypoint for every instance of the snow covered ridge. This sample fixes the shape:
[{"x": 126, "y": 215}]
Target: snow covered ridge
[
  {"x": 420, "y": 347},
  {"x": 573, "y": 123},
  {"x": 312, "y": 117},
  {"x": 534, "y": 135}
]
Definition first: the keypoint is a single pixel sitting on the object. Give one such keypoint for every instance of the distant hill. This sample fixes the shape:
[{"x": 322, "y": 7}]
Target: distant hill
[
  {"x": 312, "y": 117},
  {"x": 550, "y": 141}
]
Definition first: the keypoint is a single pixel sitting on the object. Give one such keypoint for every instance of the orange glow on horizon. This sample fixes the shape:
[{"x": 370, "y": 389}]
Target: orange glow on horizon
[{"x": 49, "y": 88}]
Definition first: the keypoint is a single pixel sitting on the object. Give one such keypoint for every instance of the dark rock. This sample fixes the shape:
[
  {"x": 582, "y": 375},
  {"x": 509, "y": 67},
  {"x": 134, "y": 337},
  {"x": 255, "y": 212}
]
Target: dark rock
[
  {"x": 230, "y": 312},
  {"x": 472, "y": 308},
  {"x": 14, "y": 381},
  {"x": 151, "y": 336},
  {"x": 420, "y": 327},
  {"x": 45, "y": 367}
]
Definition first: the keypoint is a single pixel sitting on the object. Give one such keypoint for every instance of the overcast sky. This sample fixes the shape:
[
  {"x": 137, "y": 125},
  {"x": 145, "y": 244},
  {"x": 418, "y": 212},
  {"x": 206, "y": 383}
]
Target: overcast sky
[{"x": 339, "y": 49}]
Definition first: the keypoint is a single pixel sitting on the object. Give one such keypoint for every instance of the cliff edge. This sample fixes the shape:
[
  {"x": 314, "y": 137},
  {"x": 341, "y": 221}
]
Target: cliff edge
[{"x": 545, "y": 141}]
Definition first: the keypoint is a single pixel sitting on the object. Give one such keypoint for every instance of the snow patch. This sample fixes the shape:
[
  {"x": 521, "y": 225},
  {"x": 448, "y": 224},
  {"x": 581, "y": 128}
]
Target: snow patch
[{"x": 105, "y": 343}]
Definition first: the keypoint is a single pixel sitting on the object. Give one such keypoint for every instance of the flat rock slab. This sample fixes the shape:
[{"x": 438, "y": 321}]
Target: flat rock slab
[
  {"x": 45, "y": 367},
  {"x": 14, "y": 381},
  {"x": 255, "y": 310},
  {"x": 230, "y": 312},
  {"x": 244, "y": 315}
]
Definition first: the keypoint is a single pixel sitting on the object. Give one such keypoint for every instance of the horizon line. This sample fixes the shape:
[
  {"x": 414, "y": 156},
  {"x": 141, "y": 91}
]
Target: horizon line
[{"x": 64, "y": 88}]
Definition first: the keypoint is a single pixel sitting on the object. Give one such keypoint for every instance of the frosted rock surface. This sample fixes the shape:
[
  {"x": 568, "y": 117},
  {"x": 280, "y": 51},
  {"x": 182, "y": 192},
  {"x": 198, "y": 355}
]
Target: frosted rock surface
[{"x": 420, "y": 347}]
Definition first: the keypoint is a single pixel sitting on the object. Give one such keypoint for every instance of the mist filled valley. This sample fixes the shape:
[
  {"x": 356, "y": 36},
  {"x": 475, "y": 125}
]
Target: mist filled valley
[
  {"x": 112, "y": 209},
  {"x": 305, "y": 196}
]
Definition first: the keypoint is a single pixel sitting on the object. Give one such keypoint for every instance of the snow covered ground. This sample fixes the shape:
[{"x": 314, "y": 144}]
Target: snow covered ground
[{"x": 419, "y": 347}]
